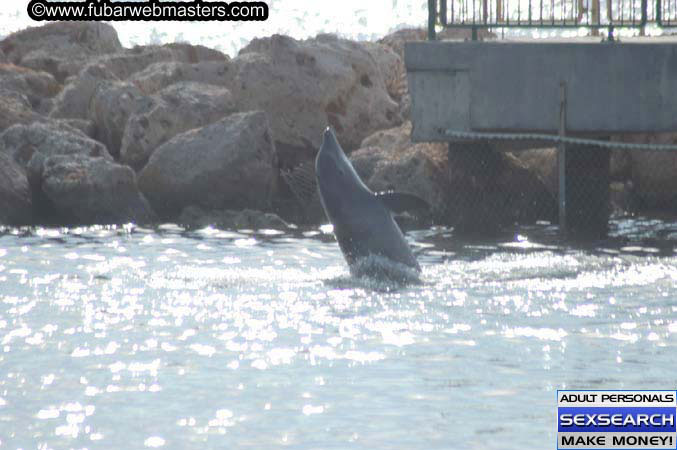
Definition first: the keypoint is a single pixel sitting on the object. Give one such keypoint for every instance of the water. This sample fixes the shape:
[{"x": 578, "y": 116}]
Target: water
[{"x": 130, "y": 338}]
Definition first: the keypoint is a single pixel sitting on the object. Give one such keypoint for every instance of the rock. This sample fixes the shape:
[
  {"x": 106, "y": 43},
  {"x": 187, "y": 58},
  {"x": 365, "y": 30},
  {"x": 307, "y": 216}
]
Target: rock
[
  {"x": 620, "y": 165},
  {"x": 397, "y": 39},
  {"x": 622, "y": 198},
  {"x": 387, "y": 160},
  {"x": 16, "y": 207},
  {"x": 390, "y": 161},
  {"x": 47, "y": 138},
  {"x": 417, "y": 170},
  {"x": 395, "y": 72},
  {"x": 490, "y": 191},
  {"x": 474, "y": 189},
  {"x": 297, "y": 198},
  {"x": 158, "y": 76},
  {"x": 74, "y": 100},
  {"x": 392, "y": 139},
  {"x": 86, "y": 190},
  {"x": 84, "y": 126},
  {"x": 178, "y": 108},
  {"x": 140, "y": 57},
  {"x": 191, "y": 53},
  {"x": 542, "y": 162},
  {"x": 193, "y": 217},
  {"x": 110, "y": 108},
  {"x": 405, "y": 106},
  {"x": 3, "y": 57},
  {"x": 230, "y": 164},
  {"x": 305, "y": 85},
  {"x": 625, "y": 197},
  {"x": 60, "y": 48},
  {"x": 35, "y": 85},
  {"x": 653, "y": 173},
  {"x": 391, "y": 66},
  {"x": 131, "y": 61},
  {"x": 15, "y": 109}
]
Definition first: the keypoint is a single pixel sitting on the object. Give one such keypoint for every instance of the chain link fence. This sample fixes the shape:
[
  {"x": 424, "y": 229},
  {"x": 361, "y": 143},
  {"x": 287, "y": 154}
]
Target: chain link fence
[
  {"x": 488, "y": 188},
  {"x": 624, "y": 176}
]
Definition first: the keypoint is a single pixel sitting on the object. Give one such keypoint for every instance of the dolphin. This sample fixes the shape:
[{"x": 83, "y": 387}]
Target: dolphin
[{"x": 363, "y": 220}]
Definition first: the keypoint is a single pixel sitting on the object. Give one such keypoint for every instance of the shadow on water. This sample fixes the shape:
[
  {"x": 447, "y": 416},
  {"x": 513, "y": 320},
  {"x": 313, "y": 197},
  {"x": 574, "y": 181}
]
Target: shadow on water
[{"x": 638, "y": 236}]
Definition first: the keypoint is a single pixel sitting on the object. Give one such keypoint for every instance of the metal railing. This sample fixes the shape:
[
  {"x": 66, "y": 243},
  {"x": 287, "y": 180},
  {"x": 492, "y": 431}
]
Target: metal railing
[{"x": 592, "y": 14}]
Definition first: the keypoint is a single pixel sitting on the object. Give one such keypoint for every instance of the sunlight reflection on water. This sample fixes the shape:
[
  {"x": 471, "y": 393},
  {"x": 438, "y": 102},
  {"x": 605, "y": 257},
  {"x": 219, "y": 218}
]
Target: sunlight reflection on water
[{"x": 192, "y": 338}]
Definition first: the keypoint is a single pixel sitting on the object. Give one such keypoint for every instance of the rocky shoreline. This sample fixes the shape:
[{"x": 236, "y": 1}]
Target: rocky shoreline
[{"x": 94, "y": 133}]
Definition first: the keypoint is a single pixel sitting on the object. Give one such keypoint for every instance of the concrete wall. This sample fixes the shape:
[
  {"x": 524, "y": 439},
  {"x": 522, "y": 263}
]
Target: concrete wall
[{"x": 514, "y": 87}]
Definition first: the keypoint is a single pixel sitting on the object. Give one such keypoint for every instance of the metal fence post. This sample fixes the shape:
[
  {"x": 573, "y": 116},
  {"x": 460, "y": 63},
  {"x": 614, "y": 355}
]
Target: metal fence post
[
  {"x": 561, "y": 157},
  {"x": 432, "y": 18}
]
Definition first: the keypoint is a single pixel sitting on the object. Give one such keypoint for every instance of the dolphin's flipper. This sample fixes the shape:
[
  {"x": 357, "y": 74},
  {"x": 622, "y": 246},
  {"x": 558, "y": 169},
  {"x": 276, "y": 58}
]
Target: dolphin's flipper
[{"x": 400, "y": 202}]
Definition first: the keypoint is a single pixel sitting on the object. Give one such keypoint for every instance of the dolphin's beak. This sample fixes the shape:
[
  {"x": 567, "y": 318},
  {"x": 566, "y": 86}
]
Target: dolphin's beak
[{"x": 329, "y": 138}]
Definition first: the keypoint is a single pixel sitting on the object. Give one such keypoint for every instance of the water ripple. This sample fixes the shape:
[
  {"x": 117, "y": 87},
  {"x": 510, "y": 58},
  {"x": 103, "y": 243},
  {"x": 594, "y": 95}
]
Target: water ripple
[{"x": 120, "y": 337}]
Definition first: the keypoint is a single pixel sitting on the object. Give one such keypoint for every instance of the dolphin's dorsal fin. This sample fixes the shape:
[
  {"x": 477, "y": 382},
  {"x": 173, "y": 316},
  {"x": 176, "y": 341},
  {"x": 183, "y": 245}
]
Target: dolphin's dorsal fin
[{"x": 399, "y": 202}]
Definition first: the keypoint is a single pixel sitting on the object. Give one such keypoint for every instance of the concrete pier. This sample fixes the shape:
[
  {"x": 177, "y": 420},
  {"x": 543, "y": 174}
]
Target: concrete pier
[{"x": 485, "y": 88}]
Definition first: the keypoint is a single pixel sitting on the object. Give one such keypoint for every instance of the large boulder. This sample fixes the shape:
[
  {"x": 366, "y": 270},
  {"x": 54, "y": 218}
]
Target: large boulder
[
  {"x": 542, "y": 162},
  {"x": 491, "y": 190},
  {"x": 112, "y": 104},
  {"x": 194, "y": 217},
  {"x": 16, "y": 207},
  {"x": 60, "y": 48},
  {"x": 136, "y": 59},
  {"x": 192, "y": 53},
  {"x": 393, "y": 139},
  {"x": 85, "y": 126},
  {"x": 177, "y": 108},
  {"x": 35, "y": 85},
  {"x": 23, "y": 142},
  {"x": 388, "y": 160},
  {"x": 641, "y": 180},
  {"x": 159, "y": 75},
  {"x": 297, "y": 198},
  {"x": 30, "y": 145},
  {"x": 74, "y": 100},
  {"x": 230, "y": 164},
  {"x": 654, "y": 174},
  {"x": 305, "y": 85},
  {"x": 15, "y": 108},
  {"x": 391, "y": 66},
  {"x": 80, "y": 189},
  {"x": 472, "y": 188}
]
